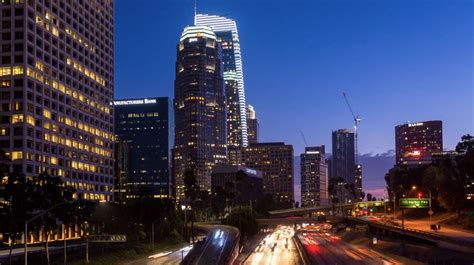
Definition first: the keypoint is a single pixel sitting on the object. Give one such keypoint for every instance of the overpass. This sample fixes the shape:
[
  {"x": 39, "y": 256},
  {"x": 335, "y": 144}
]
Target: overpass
[
  {"x": 440, "y": 239},
  {"x": 346, "y": 209}
]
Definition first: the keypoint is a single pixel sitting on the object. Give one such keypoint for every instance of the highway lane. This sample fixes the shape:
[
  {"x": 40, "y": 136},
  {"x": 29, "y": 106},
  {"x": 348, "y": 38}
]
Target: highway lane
[
  {"x": 326, "y": 248},
  {"x": 276, "y": 248},
  {"x": 216, "y": 247}
]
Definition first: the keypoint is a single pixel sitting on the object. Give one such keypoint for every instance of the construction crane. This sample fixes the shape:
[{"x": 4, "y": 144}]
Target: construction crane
[
  {"x": 304, "y": 138},
  {"x": 357, "y": 120}
]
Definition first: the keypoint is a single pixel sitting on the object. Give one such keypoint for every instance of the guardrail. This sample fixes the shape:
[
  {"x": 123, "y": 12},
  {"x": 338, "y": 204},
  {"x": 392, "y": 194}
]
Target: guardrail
[
  {"x": 301, "y": 250},
  {"x": 416, "y": 232}
]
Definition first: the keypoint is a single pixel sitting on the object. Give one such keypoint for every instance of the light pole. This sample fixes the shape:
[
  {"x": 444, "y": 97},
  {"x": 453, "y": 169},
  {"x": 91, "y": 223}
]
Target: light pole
[
  {"x": 184, "y": 207},
  {"x": 430, "y": 213},
  {"x": 153, "y": 232},
  {"x": 31, "y": 220}
]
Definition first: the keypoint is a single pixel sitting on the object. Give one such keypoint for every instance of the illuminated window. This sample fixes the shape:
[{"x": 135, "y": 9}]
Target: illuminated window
[
  {"x": 5, "y": 83},
  {"x": 5, "y": 71},
  {"x": 17, "y": 155},
  {"x": 47, "y": 113},
  {"x": 17, "y": 70},
  {"x": 17, "y": 118}
]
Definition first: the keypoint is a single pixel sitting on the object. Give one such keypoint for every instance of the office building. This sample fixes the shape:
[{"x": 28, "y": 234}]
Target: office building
[
  {"x": 199, "y": 107},
  {"x": 314, "y": 177},
  {"x": 343, "y": 163},
  {"x": 343, "y": 155},
  {"x": 275, "y": 160},
  {"x": 57, "y": 83},
  {"x": 142, "y": 141},
  {"x": 415, "y": 143},
  {"x": 228, "y": 37},
  {"x": 252, "y": 125},
  {"x": 244, "y": 183}
]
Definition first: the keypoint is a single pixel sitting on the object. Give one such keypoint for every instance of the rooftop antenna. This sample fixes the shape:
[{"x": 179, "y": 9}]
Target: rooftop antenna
[
  {"x": 195, "y": 11},
  {"x": 304, "y": 138}
]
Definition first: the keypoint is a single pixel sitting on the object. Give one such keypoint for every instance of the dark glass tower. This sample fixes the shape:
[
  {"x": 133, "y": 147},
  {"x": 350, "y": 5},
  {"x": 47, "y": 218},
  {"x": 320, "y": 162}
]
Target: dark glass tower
[
  {"x": 199, "y": 106},
  {"x": 141, "y": 148}
]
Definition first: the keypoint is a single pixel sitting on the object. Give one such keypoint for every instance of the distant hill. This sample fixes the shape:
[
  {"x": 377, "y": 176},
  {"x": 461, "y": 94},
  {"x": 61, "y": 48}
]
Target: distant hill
[{"x": 374, "y": 166}]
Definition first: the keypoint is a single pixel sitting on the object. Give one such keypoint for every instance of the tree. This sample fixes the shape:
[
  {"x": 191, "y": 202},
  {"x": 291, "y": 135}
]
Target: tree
[
  {"x": 369, "y": 197},
  {"x": 13, "y": 213},
  {"x": 242, "y": 218},
  {"x": 191, "y": 191},
  {"x": 47, "y": 192}
]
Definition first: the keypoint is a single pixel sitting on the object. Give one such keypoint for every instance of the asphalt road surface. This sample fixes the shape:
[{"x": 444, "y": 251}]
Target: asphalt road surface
[
  {"x": 325, "y": 248},
  {"x": 215, "y": 249},
  {"x": 276, "y": 248}
]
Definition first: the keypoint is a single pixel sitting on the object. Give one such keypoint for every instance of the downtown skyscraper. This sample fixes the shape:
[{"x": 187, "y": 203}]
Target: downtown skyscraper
[
  {"x": 141, "y": 148},
  {"x": 57, "y": 83},
  {"x": 343, "y": 162},
  {"x": 199, "y": 107},
  {"x": 314, "y": 177},
  {"x": 228, "y": 37}
]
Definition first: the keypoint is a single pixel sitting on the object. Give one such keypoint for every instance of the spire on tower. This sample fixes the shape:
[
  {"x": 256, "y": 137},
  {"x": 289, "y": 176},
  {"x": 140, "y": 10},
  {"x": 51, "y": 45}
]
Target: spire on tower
[{"x": 195, "y": 11}]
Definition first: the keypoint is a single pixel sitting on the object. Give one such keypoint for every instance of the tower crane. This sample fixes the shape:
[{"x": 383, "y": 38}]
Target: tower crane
[{"x": 357, "y": 120}]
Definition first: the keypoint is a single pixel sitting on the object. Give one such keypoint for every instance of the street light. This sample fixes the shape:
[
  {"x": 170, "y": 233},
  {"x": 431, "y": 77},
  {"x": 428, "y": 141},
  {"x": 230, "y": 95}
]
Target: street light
[
  {"x": 31, "y": 220},
  {"x": 430, "y": 213},
  {"x": 153, "y": 232}
]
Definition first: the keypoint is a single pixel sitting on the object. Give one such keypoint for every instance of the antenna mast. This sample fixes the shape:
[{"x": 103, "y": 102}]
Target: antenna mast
[{"x": 195, "y": 11}]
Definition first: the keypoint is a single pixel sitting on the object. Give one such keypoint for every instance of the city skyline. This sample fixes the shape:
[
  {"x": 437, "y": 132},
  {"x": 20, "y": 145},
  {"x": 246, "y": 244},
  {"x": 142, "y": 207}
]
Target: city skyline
[{"x": 360, "y": 85}]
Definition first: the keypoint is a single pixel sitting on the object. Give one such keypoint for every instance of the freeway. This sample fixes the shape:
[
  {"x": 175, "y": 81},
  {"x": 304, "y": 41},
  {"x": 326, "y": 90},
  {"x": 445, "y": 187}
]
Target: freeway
[
  {"x": 276, "y": 248},
  {"x": 217, "y": 248},
  {"x": 325, "y": 248},
  {"x": 169, "y": 257}
]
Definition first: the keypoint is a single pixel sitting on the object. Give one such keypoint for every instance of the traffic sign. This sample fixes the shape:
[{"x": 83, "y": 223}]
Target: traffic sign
[
  {"x": 414, "y": 203},
  {"x": 430, "y": 212}
]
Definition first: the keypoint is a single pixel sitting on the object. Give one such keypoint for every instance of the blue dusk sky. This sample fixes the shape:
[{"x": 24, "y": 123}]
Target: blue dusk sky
[{"x": 398, "y": 61}]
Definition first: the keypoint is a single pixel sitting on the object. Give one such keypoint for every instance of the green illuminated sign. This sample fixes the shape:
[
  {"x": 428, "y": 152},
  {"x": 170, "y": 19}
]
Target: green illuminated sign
[{"x": 414, "y": 203}]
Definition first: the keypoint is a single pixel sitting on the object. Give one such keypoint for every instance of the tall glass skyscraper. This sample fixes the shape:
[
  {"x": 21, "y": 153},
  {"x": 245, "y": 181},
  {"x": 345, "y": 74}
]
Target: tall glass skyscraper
[
  {"x": 228, "y": 37},
  {"x": 199, "y": 107}
]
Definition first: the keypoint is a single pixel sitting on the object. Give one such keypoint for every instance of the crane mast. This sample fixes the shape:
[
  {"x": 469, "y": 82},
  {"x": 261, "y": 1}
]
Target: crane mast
[{"x": 357, "y": 120}]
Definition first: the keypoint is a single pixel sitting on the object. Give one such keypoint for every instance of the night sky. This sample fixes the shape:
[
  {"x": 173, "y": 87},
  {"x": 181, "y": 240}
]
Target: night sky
[{"x": 398, "y": 61}]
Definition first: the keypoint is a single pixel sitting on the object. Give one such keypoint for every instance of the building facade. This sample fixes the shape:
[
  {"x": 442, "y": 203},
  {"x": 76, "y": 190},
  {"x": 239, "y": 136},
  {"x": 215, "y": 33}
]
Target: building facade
[
  {"x": 57, "y": 83},
  {"x": 199, "y": 107},
  {"x": 252, "y": 125},
  {"x": 415, "y": 143},
  {"x": 245, "y": 183},
  {"x": 142, "y": 144},
  {"x": 275, "y": 160},
  {"x": 343, "y": 155},
  {"x": 314, "y": 177},
  {"x": 343, "y": 164},
  {"x": 228, "y": 37}
]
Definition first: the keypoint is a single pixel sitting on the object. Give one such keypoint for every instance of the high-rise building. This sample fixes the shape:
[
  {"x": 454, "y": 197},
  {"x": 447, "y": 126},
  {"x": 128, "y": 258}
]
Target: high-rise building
[
  {"x": 245, "y": 183},
  {"x": 228, "y": 37},
  {"x": 314, "y": 177},
  {"x": 57, "y": 83},
  {"x": 252, "y": 125},
  {"x": 343, "y": 164},
  {"x": 415, "y": 143},
  {"x": 199, "y": 107},
  {"x": 275, "y": 160},
  {"x": 343, "y": 155},
  {"x": 142, "y": 140}
]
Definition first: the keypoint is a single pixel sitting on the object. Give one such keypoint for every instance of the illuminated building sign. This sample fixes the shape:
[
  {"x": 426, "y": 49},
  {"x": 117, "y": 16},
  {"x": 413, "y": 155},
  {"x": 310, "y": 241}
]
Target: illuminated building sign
[
  {"x": 312, "y": 152},
  {"x": 415, "y": 124},
  {"x": 135, "y": 102},
  {"x": 414, "y": 203},
  {"x": 251, "y": 171}
]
